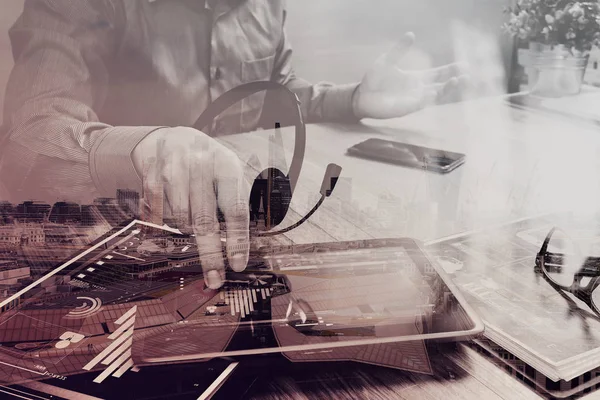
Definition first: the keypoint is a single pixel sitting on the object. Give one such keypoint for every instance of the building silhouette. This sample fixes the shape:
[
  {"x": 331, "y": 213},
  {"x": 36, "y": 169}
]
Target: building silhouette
[
  {"x": 271, "y": 192},
  {"x": 30, "y": 234},
  {"x": 64, "y": 213},
  {"x": 281, "y": 196},
  {"x": 32, "y": 211},
  {"x": 129, "y": 201},
  {"x": 104, "y": 211},
  {"x": 153, "y": 196},
  {"x": 7, "y": 212}
]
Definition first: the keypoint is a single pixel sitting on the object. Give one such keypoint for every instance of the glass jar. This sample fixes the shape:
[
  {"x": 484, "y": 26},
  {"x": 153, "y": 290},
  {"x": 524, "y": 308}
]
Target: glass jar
[{"x": 554, "y": 71}]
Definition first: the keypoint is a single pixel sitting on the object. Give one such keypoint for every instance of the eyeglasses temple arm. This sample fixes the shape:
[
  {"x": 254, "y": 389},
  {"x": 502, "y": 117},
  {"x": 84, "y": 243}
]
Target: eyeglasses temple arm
[{"x": 544, "y": 248}]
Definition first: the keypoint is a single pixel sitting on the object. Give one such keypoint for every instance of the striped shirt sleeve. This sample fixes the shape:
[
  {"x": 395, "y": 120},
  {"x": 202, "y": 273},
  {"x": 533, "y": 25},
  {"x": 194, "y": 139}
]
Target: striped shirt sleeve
[{"x": 57, "y": 148}]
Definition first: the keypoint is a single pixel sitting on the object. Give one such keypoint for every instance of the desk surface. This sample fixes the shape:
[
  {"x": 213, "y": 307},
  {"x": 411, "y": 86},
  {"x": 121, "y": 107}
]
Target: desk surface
[{"x": 520, "y": 163}]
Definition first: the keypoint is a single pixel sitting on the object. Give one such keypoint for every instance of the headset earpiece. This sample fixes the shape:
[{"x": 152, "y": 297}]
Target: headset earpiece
[{"x": 270, "y": 198}]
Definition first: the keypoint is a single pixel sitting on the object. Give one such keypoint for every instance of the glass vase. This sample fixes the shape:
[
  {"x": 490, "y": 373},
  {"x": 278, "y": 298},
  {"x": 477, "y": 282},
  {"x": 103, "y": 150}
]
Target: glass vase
[{"x": 555, "y": 71}]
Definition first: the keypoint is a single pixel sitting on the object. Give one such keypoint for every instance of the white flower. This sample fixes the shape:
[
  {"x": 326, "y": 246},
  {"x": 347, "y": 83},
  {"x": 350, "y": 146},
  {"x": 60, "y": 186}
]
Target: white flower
[
  {"x": 549, "y": 19},
  {"x": 576, "y": 10},
  {"x": 523, "y": 34}
]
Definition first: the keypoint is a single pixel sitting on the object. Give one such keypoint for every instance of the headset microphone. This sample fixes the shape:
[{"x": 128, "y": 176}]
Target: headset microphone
[{"x": 331, "y": 175}]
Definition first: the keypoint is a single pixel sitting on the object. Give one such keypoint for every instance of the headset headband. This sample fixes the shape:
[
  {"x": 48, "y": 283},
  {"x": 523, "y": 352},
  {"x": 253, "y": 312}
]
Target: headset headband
[{"x": 241, "y": 92}]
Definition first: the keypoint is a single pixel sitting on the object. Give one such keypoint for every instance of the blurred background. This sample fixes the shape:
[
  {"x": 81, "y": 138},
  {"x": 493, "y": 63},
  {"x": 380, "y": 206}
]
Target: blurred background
[{"x": 337, "y": 40}]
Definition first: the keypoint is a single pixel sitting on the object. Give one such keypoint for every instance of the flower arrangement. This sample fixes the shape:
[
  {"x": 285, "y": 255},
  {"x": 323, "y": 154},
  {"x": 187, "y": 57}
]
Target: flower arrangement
[{"x": 574, "y": 24}]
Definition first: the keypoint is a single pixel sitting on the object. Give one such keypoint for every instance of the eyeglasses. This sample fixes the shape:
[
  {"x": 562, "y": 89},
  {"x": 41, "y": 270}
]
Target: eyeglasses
[{"x": 581, "y": 282}]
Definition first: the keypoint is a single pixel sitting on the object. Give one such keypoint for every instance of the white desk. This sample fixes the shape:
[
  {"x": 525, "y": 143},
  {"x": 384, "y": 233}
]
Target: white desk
[{"x": 519, "y": 164}]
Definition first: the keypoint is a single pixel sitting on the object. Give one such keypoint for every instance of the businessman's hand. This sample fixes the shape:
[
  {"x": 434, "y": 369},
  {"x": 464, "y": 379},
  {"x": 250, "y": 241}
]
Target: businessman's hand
[
  {"x": 186, "y": 174},
  {"x": 387, "y": 91}
]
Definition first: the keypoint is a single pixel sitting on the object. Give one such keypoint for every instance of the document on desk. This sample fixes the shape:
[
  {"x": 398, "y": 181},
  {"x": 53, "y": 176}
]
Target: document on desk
[{"x": 551, "y": 331}]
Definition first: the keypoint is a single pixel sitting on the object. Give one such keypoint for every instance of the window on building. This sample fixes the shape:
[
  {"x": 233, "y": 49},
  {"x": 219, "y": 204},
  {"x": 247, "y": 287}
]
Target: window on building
[{"x": 574, "y": 383}]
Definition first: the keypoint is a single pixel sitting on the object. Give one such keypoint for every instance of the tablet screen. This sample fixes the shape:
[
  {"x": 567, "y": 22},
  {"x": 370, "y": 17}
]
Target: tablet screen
[{"x": 309, "y": 299}]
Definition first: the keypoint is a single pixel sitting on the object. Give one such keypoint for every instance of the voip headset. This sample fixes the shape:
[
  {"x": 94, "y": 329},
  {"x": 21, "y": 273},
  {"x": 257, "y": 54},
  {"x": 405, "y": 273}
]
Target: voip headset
[{"x": 290, "y": 99}]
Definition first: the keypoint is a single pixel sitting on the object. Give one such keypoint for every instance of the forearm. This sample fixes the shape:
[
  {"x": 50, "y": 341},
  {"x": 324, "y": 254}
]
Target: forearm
[
  {"x": 324, "y": 101},
  {"x": 69, "y": 160},
  {"x": 27, "y": 174}
]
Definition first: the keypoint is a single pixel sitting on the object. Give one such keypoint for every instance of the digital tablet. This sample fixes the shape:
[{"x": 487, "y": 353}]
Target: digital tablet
[
  {"x": 314, "y": 302},
  {"x": 137, "y": 298}
]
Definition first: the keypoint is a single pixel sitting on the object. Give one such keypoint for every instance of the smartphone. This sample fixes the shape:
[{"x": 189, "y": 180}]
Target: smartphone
[{"x": 408, "y": 155}]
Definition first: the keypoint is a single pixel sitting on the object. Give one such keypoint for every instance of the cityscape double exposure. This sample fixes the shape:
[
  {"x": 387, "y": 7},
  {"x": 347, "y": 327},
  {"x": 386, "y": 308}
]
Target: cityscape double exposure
[{"x": 297, "y": 200}]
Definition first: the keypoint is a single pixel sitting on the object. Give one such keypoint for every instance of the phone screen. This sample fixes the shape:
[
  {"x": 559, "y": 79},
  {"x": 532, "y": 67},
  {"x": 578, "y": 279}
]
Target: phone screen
[{"x": 407, "y": 155}]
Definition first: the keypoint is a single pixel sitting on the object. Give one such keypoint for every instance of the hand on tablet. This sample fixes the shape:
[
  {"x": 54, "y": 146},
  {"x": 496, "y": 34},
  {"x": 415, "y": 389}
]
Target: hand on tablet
[
  {"x": 186, "y": 174},
  {"x": 387, "y": 91}
]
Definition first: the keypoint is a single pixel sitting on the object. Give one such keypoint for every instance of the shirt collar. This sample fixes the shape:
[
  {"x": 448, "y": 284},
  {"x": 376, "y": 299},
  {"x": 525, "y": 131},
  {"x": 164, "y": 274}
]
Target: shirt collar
[{"x": 206, "y": 3}]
